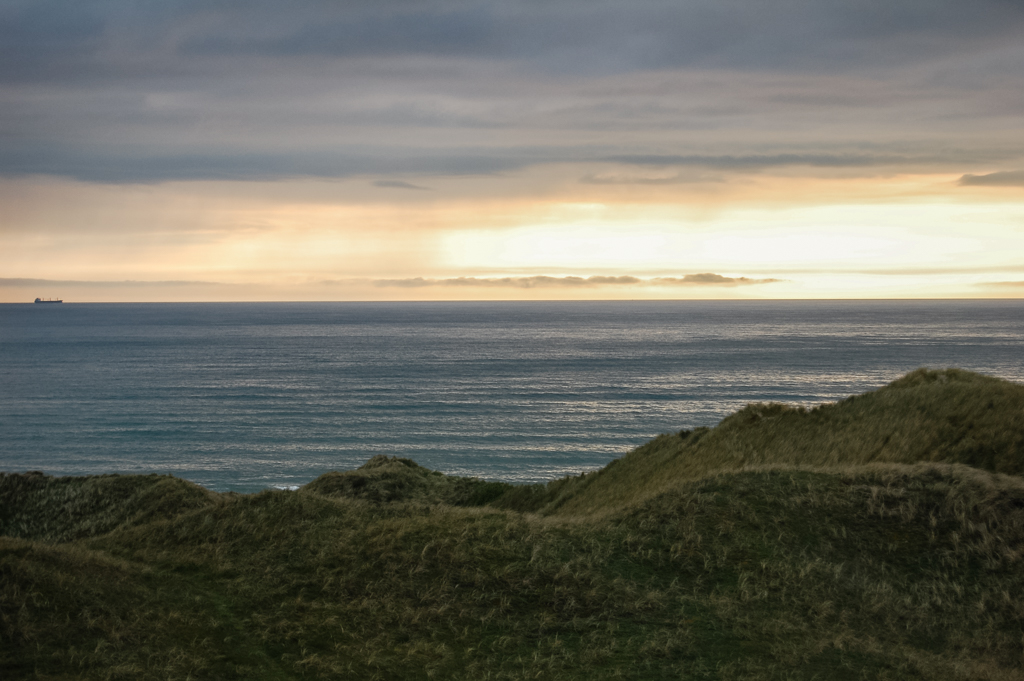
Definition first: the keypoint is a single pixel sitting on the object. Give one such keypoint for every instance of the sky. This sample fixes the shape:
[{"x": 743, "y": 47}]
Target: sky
[{"x": 205, "y": 150}]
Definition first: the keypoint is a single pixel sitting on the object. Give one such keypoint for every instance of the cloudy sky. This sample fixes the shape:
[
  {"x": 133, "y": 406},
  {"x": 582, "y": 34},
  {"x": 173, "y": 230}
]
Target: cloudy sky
[{"x": 436, "y": 149}]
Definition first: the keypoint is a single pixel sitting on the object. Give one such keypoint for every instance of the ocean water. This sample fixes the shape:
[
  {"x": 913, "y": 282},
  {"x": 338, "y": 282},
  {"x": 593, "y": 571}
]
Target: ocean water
[{"x": 245, "y": 396}]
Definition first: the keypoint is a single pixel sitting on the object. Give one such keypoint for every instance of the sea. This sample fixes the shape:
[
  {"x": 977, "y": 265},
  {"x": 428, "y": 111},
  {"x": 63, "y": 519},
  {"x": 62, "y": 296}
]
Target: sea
[{"x": 250, "y": 396}]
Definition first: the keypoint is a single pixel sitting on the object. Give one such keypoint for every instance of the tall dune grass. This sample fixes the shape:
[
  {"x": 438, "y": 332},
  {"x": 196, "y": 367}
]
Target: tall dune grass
[
  {"x": 783, "y": 544},
  {"x": 950, "y": 416}
]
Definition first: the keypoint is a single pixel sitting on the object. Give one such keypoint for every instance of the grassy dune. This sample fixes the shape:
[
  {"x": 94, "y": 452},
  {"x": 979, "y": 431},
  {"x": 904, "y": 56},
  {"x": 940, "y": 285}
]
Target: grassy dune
[
  {"x": 881, "y": 537},
  {"x": 950, "y": 416}
]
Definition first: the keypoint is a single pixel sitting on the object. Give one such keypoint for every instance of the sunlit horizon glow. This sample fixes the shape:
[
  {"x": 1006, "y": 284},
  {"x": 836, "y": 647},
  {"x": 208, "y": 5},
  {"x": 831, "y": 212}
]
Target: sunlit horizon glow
[{"x": 474, "y": 151}]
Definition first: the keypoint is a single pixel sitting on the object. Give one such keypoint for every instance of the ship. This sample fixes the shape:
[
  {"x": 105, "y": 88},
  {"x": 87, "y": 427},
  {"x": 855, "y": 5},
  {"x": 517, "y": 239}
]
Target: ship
[{"x": 49, "y": 300}]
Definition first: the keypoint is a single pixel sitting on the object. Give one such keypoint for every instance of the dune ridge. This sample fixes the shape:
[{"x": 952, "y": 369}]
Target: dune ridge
[{"x": 879, "y": 537}]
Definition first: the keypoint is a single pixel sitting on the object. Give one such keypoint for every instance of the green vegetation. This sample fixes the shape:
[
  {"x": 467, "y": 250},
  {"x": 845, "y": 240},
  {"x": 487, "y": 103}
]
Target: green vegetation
[{"x": 878, "y": 538}]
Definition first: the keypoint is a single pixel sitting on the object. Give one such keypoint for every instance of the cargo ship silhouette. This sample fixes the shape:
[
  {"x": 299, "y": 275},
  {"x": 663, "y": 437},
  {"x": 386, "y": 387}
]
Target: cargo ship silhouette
[{"x": 49, "y": 300}]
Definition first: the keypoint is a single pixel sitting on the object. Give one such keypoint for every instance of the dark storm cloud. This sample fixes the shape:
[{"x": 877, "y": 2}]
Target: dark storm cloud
[
  {"x": 758, "y": 162},
  {"x": 159, "y": 164},
  {"x": 571, "y": 35},
  {"x": 644, "y": 34},
  {"x": 40, "y": 39},
  {"x": 114, "y": 90},
  {"x": 367, "y": 30},
  {"x": 1006, "y": 178},
  {"x": 766, "y": 161}
]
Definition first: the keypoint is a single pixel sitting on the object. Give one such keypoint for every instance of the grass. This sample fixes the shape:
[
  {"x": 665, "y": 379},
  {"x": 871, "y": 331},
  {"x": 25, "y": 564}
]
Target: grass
[
  {"x": 949, "y": 416},
  {"x": 782, "y": 544}
]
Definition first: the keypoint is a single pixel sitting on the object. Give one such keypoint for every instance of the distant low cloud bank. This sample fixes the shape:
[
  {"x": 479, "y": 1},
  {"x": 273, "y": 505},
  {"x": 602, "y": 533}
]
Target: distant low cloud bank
[
  {"x": 1006, "y": 178},
  {"x": 399, "y": 184},
  {"x": 21, "y": 282},
  {"x": 1003, "y": 284},
  {"x": 541, "y": 281}
]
